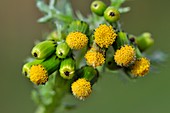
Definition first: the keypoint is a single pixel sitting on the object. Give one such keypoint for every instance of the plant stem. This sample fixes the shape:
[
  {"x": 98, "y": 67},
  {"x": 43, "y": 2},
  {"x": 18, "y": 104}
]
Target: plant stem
[{"x": 60, "y": 87}]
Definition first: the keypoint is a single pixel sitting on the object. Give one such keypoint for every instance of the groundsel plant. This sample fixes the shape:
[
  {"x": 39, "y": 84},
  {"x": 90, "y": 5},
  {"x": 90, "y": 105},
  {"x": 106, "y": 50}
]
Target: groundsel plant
[{"x": 79, "y": 49}]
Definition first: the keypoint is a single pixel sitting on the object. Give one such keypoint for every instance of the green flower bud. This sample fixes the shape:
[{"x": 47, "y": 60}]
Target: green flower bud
[
  {"x": 98, "y": 7},
  {"x": 53, "y": 36},
  {"x": 62, "y": 50},
  {"x": 26, "y": 67},
  {"x": 89, "y": 73},
  {"x": 120, "y": 40},
  {"x": 111, "y": 14},
  {"x": 67, "y": 68},
  {"x": 79, "y": 26},
  {"x": 39, "y": 73},
  {"x": 144, "y": 41},
  {"x": 43, "y": 49}
]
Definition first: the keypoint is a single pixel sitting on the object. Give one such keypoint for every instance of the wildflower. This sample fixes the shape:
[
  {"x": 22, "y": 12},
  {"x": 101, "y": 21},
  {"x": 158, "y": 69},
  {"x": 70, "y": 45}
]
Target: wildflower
[
  {"x": 104, "y": 36},
  {"x": 38, "y": 74},
  {"x": 94, "y": 58},
  {"x": 26, "y": 67},
  {"x": 81, "y": 88},
  {"x": 76, "y": 40},
  {"x": 124, "y": 56},
  {"x": 140, "y": 67}
]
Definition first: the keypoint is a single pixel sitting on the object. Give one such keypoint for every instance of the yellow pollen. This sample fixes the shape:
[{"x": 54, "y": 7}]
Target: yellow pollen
[
  {"x": 38, "y": 74},
  {"x": 81, "y": 88},
  {"x": 104, "y": 35},
  {"x": 76, "y": 40},
  {"x": 140, "y": 67},
  {"x": 125, "y": 56},
  {"x": 94, "y": 58}
]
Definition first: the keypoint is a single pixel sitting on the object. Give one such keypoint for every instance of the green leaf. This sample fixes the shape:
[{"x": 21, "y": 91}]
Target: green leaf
[
  {"x": 80, "y": 15},
  {"x": 124, "y": 10},
  {"x": 117, "y": 3},
  {"x": 45, "y": 19},
  {"x": 62, "y": 17},
  {"x": 42, "y": 6},
  {"x": 69, "y": 9}
]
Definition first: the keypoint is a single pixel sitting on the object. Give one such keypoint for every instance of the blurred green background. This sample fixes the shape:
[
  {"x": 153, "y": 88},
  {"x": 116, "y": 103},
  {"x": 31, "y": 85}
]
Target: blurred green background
[{"x": 19, "y": 30}]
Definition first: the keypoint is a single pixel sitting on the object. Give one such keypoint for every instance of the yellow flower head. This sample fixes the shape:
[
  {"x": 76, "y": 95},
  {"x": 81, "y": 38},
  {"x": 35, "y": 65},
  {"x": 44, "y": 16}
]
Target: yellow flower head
[
  {"x": 76, "y": 40},
  {"x": 38, "y": 74},
  {"x": 125, "y": 55},
  {"x": 104, "y": 35},
  {"x": 140, "y": 67},
  {"x": 94, "y": 58},
  {"x": 81, "y": 88}
]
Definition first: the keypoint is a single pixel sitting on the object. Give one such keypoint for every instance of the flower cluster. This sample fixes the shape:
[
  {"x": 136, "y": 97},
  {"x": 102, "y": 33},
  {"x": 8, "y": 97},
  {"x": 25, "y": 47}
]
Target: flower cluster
[{"x": 75, "y": 50}]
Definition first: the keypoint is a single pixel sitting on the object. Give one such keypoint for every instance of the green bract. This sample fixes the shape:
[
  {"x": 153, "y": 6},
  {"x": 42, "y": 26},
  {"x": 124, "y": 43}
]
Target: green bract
[
  {"x": 79, "y": 26},
  {"x": 98, "y": 7},
  {"x": 67, "y": 68},
  {"x": 51, "y": 64},
  {"x": 121, "y": 40},
  {"x": 43, "y": 49},
  {"x": 111, "y": 14},
  {"x": 62, "y": 50},
  {"x": 89, "y": 73}
]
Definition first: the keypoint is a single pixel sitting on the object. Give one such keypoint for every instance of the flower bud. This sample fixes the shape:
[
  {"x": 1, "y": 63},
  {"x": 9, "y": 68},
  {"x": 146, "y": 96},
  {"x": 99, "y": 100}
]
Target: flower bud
[
  {"x": 79, "y": 26},
  {"x": 54, "y": 36},
  {"x": 98, "y": 7},
  {"x": 111, "y": 14},
  {"x": 144, "y": 41},
  {"x": 39, "y": 73},
  {"x": 62, "y": 50},
  {"x": 67, "y": 68},
  {"x": 26, "y": 67},
  {"x": 43, "y": 49}
]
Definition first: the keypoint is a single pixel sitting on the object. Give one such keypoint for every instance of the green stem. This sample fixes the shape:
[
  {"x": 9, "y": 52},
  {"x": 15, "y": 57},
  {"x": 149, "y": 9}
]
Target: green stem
[
  {"x": 60, "y": 87},
  {"x": 80, "y": 57}
]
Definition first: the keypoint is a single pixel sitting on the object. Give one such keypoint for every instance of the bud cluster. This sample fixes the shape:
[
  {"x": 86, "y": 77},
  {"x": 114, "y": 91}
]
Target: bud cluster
[{"x": 106, "y": 45}]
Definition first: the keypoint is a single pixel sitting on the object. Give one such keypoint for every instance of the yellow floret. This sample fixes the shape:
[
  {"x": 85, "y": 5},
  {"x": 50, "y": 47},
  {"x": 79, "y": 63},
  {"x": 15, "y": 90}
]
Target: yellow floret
[
  {"x": 76, "y": 40},
  {"x": 81, "y": 88},
  {"x": 104, "y": 35},
  {"x": 38, "y": 74},
  {"x": 125, "y": 55},
  {"x": 94, "y": 58},
  {"x": 140, "y": 67}
]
